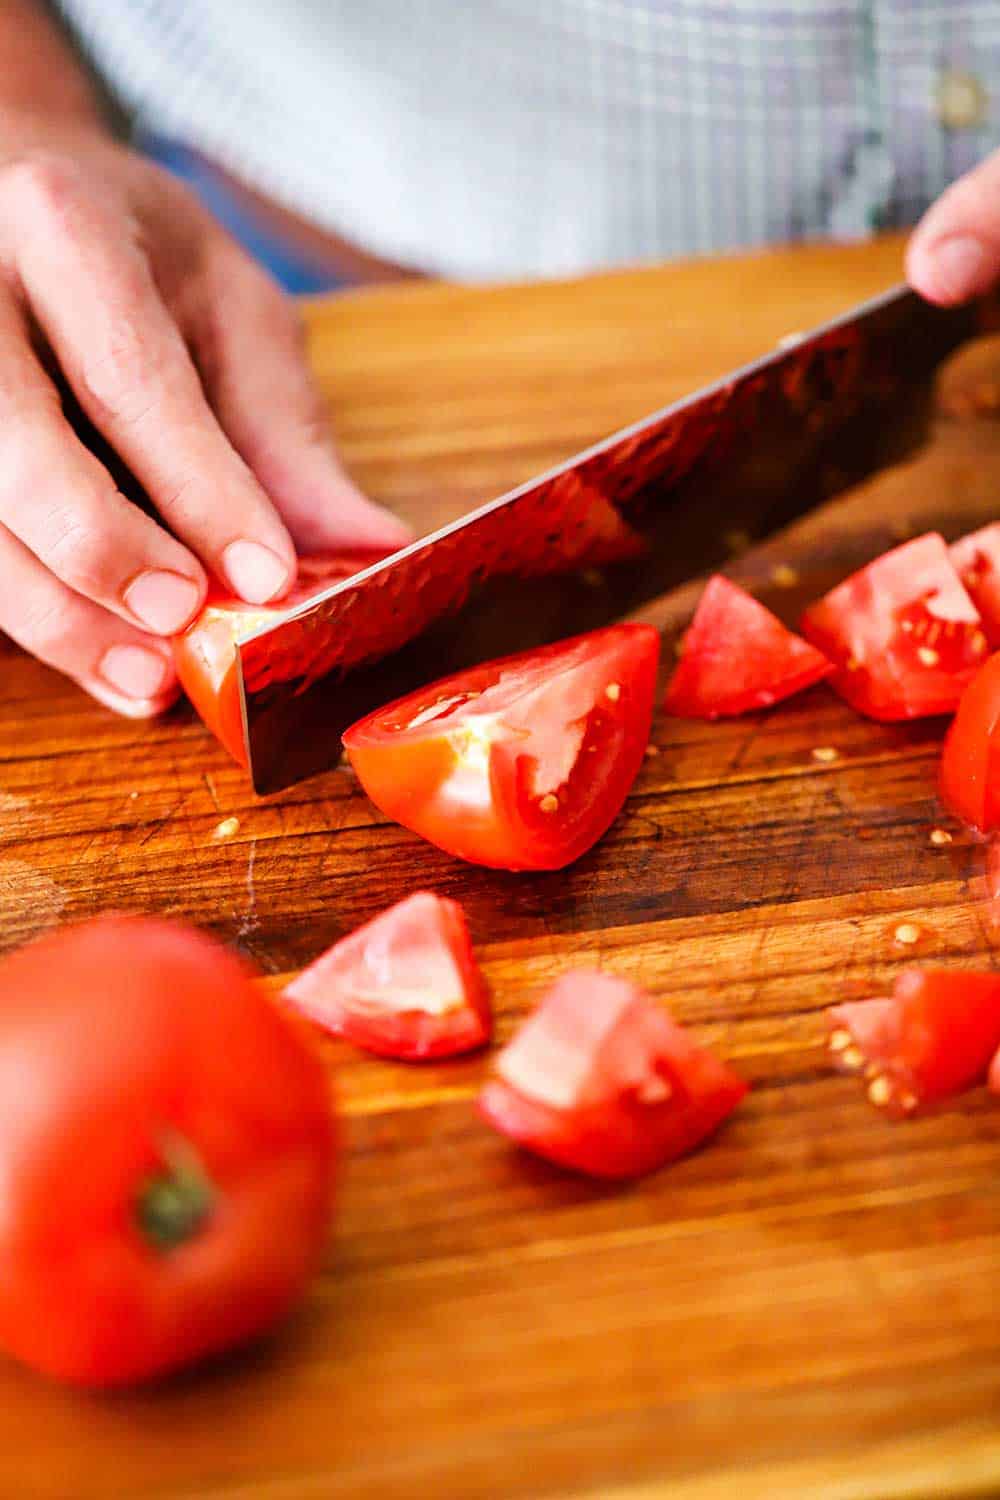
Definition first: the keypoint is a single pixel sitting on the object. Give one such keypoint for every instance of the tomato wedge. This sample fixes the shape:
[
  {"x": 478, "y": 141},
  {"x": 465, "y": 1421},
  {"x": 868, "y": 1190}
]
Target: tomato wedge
[
  {"x": 167, "y": 1152},
  {"x": 977, "y": 561},
  {"x": 520, "y": 764},
  {"x": 970, "y": 765},
  {"x": 205, "y": 654},
  {"x": 903, "y": 633},
  {"x": 935, "y": 1036},
  {"x": 601, "y": 1080},
  {"x": 405, "y": 985},
  {"x": 738, "y": 656}
]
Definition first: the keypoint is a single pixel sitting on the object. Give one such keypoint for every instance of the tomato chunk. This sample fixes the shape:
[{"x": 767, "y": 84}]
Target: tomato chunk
[
  {"x": 935, "y": 1036},
  {"x": 601, "y": 1080},
  {"x": 520, "y": 764},
  {"x": 167, "y": 1153},
  {"x": 903, "y": 633},
  {"x": 970, "y": 765},
  {"x": 404, "y": 985},
  {"x": 205, "y": 654},
  {"x": 738, "y": 656},
  {"x": 977, "y": 560}
]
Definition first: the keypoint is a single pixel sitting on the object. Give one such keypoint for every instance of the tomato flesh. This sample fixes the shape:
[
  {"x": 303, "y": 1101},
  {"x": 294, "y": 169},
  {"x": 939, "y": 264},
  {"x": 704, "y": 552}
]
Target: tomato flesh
[
  {"x": 405, "y": 985},
  {"x": 738, "y": 656},
  {"x": 977, "y": 561},
  {"x": 935, "y": 1036},
  {"x": 520, "y": 764},
  {"x": 970, "y": 765},
  {"x": 602, "y": 1081},
  {"x": 138, "y": 1059},
  {"x": 205, "y": 653},
  {"x": 903, "y": 633}
]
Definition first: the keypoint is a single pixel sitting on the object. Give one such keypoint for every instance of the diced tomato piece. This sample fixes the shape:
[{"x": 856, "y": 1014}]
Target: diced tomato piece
[
  {"x": 977, "y": 560},
  {"x": 935, "y": 1036},
  {"x": 601, "y": 1080},
  {"x": 405, "y": 985},
  {"x": 520, "y": 764},
  {"x": 994, "y": 1075},
  {"x": 737, "y": 656},
  {"x": 903, "y": 633},
  {"x": 970, "y": 765},
  {"x": 205, "y": 654}
]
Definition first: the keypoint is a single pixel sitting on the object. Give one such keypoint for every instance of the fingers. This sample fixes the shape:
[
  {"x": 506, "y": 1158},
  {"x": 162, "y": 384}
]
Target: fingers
[
  {"x": 62, "y": 503},
  {"x": 90, "y": 286},
  {"x": 954, "y": 252},
  {"x": 126, "y": 670},
  {"x": 248, "y": 346}
]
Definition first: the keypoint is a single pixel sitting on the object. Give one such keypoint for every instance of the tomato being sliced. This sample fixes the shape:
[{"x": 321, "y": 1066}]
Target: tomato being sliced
[
  {"x": 737, "y": 657},
  {"x": 205, "y": 654},
  {"x": 935, "y": 1036},
  {"x": 601, "y": 1080},
  {"x": 977, "y": 560},
  {"x": 970, "y": 765},
  {"x": 166, "y": 1152},
  {"x": 405, "y": 985},
  {"x": 903, "y": 633},
  {"x": 520, "y": 764}
]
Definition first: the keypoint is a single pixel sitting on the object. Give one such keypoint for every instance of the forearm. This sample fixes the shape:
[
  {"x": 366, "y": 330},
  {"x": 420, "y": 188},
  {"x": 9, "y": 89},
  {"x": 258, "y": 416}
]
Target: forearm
[{"x": 45, "y": 91}]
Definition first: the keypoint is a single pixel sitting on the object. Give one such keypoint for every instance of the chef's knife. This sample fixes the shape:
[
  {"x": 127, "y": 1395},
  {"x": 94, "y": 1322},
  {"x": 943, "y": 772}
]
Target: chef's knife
[{"x": 599, "y": 535}]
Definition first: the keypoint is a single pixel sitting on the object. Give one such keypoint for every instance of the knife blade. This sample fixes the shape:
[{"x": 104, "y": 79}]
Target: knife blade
[{"x": 601, "y": 534}]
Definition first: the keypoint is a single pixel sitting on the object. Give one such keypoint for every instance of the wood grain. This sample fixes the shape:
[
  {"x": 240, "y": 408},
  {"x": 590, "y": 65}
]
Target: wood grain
[{"x": 806, "y": 1308}]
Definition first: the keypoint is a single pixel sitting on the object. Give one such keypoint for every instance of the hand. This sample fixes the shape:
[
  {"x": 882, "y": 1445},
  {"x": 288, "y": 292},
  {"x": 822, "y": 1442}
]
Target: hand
[
  {"x": 954, "y": 252},
  {"x": 189, "y": 360}
]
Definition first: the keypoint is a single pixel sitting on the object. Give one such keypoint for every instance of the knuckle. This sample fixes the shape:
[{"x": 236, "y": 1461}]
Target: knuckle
[
  {"x": 79, "y": 549},
  {"x": 42, "y": 182},
  {"x": 126, "y": 372}
]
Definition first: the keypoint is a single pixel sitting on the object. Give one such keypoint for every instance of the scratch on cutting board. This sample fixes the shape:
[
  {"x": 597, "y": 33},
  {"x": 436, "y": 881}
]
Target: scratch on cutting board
[{"x": 29, "y": 901}]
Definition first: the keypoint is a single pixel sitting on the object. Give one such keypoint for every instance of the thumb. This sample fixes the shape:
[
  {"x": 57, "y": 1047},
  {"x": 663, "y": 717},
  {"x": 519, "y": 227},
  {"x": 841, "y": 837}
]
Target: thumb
[{"x": 954, "y": 252}]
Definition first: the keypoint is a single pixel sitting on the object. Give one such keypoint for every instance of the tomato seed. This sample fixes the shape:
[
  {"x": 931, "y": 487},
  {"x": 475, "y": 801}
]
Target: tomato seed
[
  {"x": 549, "y": 803},
  {"x": 651, "y": 751},
  {"x": 852, "y": 1058},
  {"x": 978, "y": 642},
  {"x": 907, "y": 933},
  {"x": 928, "y": 656},
  {"x": 880, "y": 1090},
  {"x": 908, "y": 1101},
  {"x": 784, "y": 576},
  {"x": 825, "y": 754},
  {"x": 839, "y": 1039},
  {"x": 226, "y": 828},
  {"x": 613, "y": 691},
  {"x": 940, "y": 836}
]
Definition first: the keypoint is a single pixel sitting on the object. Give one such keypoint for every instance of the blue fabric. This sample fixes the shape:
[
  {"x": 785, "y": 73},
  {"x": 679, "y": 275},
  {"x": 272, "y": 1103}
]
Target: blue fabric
[{"x": 295, "y": 271}]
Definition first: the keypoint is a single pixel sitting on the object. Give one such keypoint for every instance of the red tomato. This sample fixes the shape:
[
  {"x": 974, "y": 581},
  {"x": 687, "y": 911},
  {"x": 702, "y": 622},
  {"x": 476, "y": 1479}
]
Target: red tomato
[
  {"x": 976, "y": 558},
  {"x": 903, "y": 633},
  {"x": 166, "y": 1153},
  {"x": 600, "y": 1079},
  {"x": 205, "y": 654},
  {"x": 737, "y": 657},
  {"x": 523, "y": 763},
  {"x": 405, "y": 985},
  {"x": 934, "y": 1037},
  {"x": 970, "y": 765}
]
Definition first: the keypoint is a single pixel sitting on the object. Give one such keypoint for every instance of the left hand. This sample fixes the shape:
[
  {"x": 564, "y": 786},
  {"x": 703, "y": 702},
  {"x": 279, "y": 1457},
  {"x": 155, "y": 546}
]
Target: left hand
[{"x": 954, "y": 252}]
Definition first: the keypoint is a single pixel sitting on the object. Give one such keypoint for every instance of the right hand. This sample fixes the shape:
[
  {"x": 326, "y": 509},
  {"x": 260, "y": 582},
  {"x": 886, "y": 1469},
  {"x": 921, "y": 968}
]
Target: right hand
[{"x": 189, "y": 361}]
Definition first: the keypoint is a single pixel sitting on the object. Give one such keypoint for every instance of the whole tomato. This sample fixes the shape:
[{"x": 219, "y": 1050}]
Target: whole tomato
[{"x": 166, "y": 1152}]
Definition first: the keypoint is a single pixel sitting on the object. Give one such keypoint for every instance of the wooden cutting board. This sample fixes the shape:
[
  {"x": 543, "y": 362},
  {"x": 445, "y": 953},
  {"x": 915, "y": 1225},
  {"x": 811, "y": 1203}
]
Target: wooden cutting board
[{"x": 806, "y": 1308}]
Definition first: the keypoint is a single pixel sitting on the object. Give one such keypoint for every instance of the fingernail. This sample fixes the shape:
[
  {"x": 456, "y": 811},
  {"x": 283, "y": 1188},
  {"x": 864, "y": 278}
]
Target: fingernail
[
  {"x": 960, "y": 266},
  {"x": 163, "y": 602},
  {"x": 136, "y": 672},
  {"x": 254, "y": 572}
]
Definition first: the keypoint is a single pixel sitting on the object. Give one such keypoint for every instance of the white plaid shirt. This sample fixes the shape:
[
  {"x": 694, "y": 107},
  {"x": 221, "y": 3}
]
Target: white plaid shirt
[{"x": 499, "y": 138}]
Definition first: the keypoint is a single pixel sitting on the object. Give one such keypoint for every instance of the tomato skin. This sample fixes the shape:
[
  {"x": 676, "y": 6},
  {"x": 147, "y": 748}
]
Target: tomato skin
[
  {"x": 970, "y": 765},
  {"x": 462, "y": 777},
  {"x": 902, "y": 632},
  {"x": 602, "y": 1081},
  {"x": 353, "y": 990},
  {"x": 977, "y": 561},
  {"x": 205, "y": 653},
  {"x": 934, "y": 1037},
  {"x": 738, "y": 657},
  {"x": 118, "y": 1038}
]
